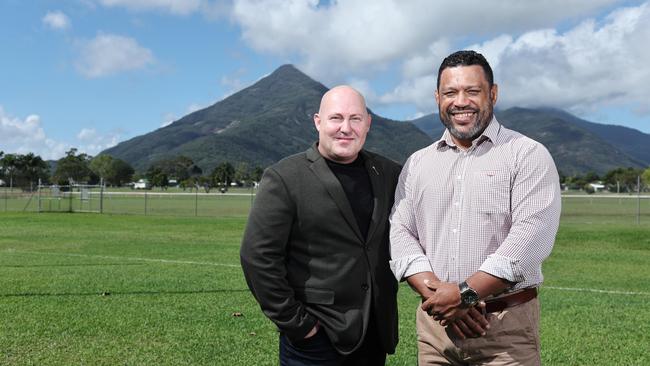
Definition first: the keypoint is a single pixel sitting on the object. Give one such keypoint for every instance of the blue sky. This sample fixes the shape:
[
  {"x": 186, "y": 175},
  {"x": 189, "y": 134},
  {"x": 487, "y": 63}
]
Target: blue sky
[{"x": 92, "y": 73}]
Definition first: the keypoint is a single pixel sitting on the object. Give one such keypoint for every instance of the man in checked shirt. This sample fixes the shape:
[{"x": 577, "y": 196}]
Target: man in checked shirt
[{"x": 475, "y": 215}]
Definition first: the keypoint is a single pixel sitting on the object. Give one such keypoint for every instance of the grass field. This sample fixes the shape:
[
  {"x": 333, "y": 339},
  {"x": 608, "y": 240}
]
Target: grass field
[{"x": 88, "y": 289}]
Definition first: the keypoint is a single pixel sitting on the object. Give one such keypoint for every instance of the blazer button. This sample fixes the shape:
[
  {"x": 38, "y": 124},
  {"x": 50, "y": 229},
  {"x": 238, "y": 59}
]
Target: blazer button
[{"x": 365, "y": 287}]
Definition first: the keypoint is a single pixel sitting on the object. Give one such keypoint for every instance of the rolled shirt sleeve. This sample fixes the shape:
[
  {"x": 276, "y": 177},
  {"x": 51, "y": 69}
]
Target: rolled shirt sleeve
[{"x": 536, "y": 206}]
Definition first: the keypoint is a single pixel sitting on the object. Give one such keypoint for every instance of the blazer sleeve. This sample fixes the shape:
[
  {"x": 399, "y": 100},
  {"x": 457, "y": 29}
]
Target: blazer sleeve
[{"x": 263, "y": 253}]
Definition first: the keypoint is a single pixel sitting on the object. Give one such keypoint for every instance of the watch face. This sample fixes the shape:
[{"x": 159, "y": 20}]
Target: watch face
[{"x": 469, "y": 297}]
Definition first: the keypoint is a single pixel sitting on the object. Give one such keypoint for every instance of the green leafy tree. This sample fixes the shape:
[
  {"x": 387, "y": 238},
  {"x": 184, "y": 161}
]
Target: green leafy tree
[
  {"x": 9, "y": 165},
  {"x": 646, "y": 177},
  {"x": 180, "y": 168},
  {"x": 591, "y": 177},
  {"x": 256, "y": 174},
  {"x": 222, "y": 175},
  {"x": 242, "y": 173},
  {"x": 74, "y": 167},
  {"x": 122, "y": 172},
  {"x": 622, "y": 179},
  {"x": 157, "y": 177},
  {"x": 114, "y": 171},
  {"x": 32, "y": 168},
  {"x": 102, "y": 166},
  {"x": 204, "y": 182}
]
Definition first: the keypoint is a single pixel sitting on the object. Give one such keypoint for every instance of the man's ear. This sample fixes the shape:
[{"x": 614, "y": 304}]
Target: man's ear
[
  {"x": 494, "y": 93},
  {"x": 317, "y": 121},
  {"x": 437, "y": 96}
]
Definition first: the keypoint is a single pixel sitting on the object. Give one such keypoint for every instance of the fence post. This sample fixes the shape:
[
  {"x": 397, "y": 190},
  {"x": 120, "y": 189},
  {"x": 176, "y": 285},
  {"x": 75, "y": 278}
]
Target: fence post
[
  {"x": 101, "y": 196},
  {"x": 638, "y": 200},
  {"x": 145, "y": 203},
  {"x": 70, "y": 200},
  {"x": 39, "y": 195},
  {"x": 196, "y": 201}
]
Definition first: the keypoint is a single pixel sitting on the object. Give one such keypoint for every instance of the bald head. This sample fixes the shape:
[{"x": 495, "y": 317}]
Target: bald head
[
  {"x": 342, "y": 92},
  {"x": 342, "y": 123}
]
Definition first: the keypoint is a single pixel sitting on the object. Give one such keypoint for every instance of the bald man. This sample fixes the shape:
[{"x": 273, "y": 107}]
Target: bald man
[{"x": 315, "y": 251}]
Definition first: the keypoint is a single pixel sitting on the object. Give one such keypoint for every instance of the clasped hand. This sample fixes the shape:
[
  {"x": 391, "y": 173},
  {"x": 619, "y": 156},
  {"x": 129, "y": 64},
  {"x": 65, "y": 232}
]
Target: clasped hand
[{"x": 445, "y": 307}]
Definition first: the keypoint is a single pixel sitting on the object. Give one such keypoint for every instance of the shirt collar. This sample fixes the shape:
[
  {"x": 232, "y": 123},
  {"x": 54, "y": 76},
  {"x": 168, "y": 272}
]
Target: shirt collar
[{"x": 490, "y": 134}]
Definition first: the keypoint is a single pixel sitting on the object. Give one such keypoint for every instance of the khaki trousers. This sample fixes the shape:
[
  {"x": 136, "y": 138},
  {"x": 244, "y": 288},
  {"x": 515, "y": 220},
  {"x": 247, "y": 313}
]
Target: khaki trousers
[{"x": 513, "y": 339}]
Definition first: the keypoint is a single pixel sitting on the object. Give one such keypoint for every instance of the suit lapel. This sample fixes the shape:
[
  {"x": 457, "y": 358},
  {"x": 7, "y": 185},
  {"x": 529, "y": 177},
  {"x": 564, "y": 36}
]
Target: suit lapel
[
  {"x": 378, "y": 183},
  {"x": 334, "y": 188}
]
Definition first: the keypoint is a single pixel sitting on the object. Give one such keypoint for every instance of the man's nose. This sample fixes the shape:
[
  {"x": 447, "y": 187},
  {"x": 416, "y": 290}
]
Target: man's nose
[
  {"x": 461, "y": 100},
  {"x": 346, "y": 125}
]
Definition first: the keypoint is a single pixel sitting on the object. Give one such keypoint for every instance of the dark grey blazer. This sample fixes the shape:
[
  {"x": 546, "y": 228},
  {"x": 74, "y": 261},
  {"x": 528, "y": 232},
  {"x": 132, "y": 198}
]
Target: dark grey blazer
[{"x": 305, "y": 259}]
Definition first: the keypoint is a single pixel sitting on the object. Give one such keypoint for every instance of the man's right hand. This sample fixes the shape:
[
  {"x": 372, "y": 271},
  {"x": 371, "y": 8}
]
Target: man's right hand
[{"x": 473, "y": 324}]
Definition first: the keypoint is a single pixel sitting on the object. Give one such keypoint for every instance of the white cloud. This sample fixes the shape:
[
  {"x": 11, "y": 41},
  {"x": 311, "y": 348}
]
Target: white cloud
[
  {"x": 22, "y": 136},
  {"x": 362, "y": 36},
  {"x": 108, "y": 54},
  {"x": 92, "y": 142},
  {"x": 56, "y": 20},
  {"x": 592, "y": 65},
  {"x": 170, "y": 118},
  {"x": 543, "y": 53},
  {"x": 595, "y": 64}
]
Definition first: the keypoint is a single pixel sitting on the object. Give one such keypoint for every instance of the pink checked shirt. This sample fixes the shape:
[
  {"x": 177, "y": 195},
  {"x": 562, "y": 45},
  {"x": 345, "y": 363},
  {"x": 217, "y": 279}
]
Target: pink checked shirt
[{"x": 493, "y": 208}]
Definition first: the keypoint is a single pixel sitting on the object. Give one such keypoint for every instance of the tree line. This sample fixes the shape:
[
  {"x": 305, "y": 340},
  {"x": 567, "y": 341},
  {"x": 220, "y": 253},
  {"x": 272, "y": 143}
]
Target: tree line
[
  {"x": 26, "y": 170},
  {"x": 619, "y": 180}
]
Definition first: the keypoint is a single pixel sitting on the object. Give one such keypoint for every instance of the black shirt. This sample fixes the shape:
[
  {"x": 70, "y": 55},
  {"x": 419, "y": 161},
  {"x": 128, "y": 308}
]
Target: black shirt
[{"x": 356, "y": 184}]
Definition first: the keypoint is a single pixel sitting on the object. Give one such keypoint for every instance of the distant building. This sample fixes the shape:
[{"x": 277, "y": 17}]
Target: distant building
[
  {"x": 142, "y": 184},
  {"x": 598, "y": 186}
]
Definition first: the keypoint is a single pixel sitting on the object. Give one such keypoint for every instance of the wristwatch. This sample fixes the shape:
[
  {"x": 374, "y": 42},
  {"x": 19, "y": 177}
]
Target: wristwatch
[{"x": 468, "y": 296}]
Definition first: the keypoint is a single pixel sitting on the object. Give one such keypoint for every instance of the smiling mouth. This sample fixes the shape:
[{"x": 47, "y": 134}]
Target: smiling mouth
[{"x": 464, "y": 116}]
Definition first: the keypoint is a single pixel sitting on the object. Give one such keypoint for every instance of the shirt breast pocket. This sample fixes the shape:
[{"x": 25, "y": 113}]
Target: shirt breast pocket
[{"x": 490, "y": 192}]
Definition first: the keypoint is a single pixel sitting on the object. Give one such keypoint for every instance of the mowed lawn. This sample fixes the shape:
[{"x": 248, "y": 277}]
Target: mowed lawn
[{"x": 89, "y": 289}]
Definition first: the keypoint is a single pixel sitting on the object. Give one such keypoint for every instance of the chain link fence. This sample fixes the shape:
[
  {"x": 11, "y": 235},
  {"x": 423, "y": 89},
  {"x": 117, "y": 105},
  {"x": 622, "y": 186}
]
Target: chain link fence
[
  {"x": 624, "y": 208},
  {"x": 98, "y": 199}
]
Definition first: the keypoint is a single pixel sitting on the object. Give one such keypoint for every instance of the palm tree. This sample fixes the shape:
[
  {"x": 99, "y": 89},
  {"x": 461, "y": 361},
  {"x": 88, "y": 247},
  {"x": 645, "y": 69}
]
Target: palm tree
[
  {"x": 33, "y": 167},
  {"x": 9, "y": 164}
]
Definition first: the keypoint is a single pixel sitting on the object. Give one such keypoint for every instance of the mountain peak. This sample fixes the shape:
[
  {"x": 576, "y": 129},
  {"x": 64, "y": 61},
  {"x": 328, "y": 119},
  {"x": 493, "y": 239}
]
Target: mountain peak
[{"x": 288, "y": 76}]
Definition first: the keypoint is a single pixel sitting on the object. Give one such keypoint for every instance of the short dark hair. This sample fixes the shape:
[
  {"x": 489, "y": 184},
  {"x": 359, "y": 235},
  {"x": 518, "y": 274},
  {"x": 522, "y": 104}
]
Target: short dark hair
[{"x": 466, "y": 58}]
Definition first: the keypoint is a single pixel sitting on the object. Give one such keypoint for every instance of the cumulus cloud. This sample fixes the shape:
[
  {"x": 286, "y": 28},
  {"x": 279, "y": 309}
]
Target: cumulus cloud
[
  {"x": 90, "y": 141},
  {"x": 56, "y": 20},
  {"x": 541, "y": 56},
  {"x": 591, "y": 65},
  {"x": 358, "y": 35},
  {"x": 22, "y": 136},
  {"x": 109, "y": 54}
]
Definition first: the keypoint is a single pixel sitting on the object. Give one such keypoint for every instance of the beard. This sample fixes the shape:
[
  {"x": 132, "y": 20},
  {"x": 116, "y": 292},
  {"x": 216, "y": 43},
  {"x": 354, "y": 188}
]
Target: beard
[{"x": 483, "y": 118}]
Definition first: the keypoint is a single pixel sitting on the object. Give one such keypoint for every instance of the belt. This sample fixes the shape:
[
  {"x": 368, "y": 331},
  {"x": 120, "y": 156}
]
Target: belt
[{"x": 501, "y": 303}]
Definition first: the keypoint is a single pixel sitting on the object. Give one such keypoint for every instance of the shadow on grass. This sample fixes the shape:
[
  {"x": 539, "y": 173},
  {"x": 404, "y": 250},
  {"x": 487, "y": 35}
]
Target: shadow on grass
[{"x": 120, "y": 293}]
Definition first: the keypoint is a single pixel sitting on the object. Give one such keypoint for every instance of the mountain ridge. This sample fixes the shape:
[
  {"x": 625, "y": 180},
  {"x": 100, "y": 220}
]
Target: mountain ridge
[{"x": 272, "y": 119}]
